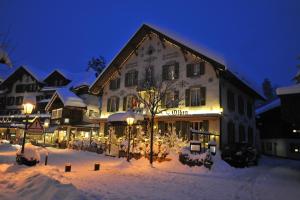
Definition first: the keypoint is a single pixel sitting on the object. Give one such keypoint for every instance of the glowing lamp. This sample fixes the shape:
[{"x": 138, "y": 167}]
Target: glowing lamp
[
  {"x": 28, "y": 108},
  {"x": 130, "y": 120},
  {"x": 46, "y": 123}
]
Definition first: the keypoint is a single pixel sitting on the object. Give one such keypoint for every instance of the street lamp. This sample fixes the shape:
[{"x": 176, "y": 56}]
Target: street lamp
[
  {"x": 28, "y": 108},
  {"x": 129, "y": 121},
  {"x": 46, "y": 125}
]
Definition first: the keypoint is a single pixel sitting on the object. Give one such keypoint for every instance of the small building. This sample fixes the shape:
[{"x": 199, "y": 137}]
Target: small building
[
  {"x": 279, "y": 123},
  {"x": 72, "y": 112},
  {"x": 215, "y": 99}
]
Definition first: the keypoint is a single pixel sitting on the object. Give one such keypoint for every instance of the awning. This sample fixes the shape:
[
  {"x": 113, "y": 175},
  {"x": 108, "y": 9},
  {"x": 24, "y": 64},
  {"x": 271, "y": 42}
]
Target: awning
[{"x": 122, "y": 116}]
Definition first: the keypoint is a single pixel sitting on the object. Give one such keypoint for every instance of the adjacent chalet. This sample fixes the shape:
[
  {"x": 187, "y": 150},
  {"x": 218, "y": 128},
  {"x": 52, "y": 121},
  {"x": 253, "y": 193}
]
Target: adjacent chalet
[
  {"x": 279, "y": 123},
  {"x": 214, "y": 99},
  {"x": 43, "y": 88}
]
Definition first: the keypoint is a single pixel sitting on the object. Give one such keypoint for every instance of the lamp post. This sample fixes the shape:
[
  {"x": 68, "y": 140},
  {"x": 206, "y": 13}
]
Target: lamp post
[
  {"x": 46, "y": 125},
  {"x": 28, "y": 107},
  {"x": 129, "y": 121}
]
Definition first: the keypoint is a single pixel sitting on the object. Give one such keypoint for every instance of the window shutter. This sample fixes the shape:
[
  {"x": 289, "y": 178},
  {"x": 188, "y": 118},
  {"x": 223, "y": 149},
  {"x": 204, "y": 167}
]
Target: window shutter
[
  {"x": 165, "y": 72},
  {"x": 126, "y": 79},
  {"x": 189, "y": 70},
  {"x": 136, "y": 74},
  {"x": 111, "y": 84},
  {"x": 124, "y": 103},
  {"x": 176, "y": 98},
  {"x": 203, "y": 96},
  {"x": 202, "y": 68},
  {"x": 108, "y": 105},
  {"x": 117, "y": 104},
  {"x": 176, "y": 69},
  {"x": 187, "y": 97},
  {"x": 118, "y": 83}
]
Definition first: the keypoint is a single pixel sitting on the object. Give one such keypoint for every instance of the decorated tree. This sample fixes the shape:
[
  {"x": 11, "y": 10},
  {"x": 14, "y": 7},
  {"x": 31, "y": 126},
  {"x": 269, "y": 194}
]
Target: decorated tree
[{"x": 156, "y": 96}]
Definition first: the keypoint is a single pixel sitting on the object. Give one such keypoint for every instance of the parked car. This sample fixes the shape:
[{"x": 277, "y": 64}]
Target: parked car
[{"x": 240, "y": 155}]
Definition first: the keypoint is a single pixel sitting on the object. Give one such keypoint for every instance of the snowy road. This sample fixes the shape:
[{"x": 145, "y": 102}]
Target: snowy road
[{"x": 273, "y": 179}]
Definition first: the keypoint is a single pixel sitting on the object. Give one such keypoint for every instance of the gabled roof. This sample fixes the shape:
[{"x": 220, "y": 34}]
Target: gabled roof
[
  {"x": 293, "y": 89},
  {"x": 11, "y": 78},
  {"x": 133, "y": 44},
  {"x": 56, "y": 71},
  {"x": 269, "y": 106},
  {"x": 68, "y": 98}
]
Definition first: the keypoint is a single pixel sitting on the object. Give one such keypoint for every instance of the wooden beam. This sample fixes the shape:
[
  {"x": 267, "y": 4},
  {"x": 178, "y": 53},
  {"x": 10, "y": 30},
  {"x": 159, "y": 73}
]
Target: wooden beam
[
  {"x": 184, "y": 53},
  {"x": 162, "y": 41}
]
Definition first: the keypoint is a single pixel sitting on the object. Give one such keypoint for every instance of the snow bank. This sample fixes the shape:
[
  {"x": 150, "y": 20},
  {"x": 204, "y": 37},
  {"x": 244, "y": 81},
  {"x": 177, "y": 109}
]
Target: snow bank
[{"x": 30, "y": 152}]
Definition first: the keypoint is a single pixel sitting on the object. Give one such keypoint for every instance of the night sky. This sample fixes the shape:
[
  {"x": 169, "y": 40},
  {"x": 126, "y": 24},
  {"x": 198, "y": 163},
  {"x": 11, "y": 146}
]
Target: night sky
[{"x": 257, "y": 39}]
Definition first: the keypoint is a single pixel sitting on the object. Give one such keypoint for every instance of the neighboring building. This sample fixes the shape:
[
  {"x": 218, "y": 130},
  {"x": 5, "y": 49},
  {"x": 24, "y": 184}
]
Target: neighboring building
[
  {"x": 71, "y": 116},
  {"x": 279, "y": 123},
  {"x": 215, "y": 99},
  {"x": 24, "y": 82}
]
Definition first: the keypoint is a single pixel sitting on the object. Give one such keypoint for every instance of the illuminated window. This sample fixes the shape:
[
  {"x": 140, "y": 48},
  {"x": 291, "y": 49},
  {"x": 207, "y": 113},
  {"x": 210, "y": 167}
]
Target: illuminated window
[{"x": 112, "y": 104}]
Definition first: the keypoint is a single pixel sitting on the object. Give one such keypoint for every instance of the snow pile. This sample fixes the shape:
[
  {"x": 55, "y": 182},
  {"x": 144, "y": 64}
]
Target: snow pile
[
  {"x": 20, "y": 184},
  {"x": 4, "y": 142},
  {"x": 30, "y": 152},
  {"x": 293, "y": 89}
]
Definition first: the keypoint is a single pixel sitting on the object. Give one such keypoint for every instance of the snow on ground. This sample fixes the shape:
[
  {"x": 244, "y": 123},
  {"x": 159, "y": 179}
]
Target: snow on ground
[{"x": 273, "y": 179}]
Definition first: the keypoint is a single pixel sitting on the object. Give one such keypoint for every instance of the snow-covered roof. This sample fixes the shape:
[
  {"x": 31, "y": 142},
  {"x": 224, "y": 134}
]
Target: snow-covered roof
[
  {"x": 204, "y": 54},
  {"x": 293, "y": 89},
  {"x": 122, "y": 116},
  {"x": 273, "y": 104},
  {"x": 69, "y": 98}
]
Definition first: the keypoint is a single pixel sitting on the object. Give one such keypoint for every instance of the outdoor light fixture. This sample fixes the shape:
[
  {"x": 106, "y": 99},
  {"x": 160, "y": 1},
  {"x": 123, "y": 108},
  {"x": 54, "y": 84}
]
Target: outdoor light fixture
[
  {"x": 28, "y": 107},
  {"x": 129, "y": 120},
  {"x": 46, "y": 125}
]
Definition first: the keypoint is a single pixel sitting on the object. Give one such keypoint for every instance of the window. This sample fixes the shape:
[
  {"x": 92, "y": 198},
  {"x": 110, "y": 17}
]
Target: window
[
  {"x": 250, "y": 135},
  {"x": 131, "y": 78},
  {"x": 130, "y": 102},
  {"x": 194, "y": 70},
  {"x": 19, "y": 100},
  {"x": 57, "y": 113},
  {"x": 170, "y": 100},
  {"x": 2, "y": 101},
  {"x": 195, "y": 96},
  {"x": 114, "y": 84},
  {"x": 230, "y": 100},
  {"x": 149, "y": 73},
  {"x": 170, "y": 72},
  {"x": 19, "y": 88},
  {"x": 231, "y": 132},
  {"x": 295, "y": 147},
  {"x": 242, "y": 134},
  {"x": 10, "y": 101},
  {"x": 249, "y": 110},
  {"x": 241, "y": 105},
  {"x": 112, "y": 104}
]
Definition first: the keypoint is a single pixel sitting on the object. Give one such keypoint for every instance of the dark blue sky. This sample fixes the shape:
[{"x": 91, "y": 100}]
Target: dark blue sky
[{"x": 257, "y": 38}]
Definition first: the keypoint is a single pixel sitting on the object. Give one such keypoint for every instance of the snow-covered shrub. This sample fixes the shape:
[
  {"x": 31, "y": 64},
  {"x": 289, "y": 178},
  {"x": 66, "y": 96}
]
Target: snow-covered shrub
[{"x": 195, "y": 159}]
